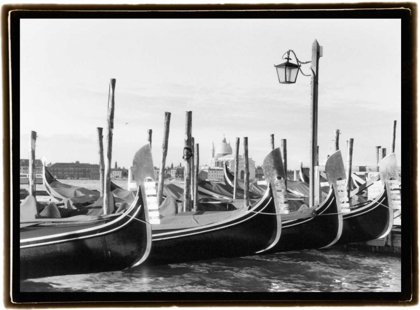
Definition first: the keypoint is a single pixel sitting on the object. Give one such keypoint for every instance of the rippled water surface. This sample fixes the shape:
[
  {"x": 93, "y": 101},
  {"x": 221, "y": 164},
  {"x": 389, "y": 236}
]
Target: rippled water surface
[{"x": 304, "y": 271}]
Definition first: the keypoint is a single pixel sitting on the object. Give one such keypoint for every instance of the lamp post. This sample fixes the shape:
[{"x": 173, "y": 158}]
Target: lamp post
[{"x": 287, "y": 73}]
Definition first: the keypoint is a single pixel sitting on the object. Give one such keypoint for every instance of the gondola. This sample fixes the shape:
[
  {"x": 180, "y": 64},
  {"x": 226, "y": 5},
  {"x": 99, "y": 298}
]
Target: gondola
[
  {"x": 225, "y": 191},
  {"x": 85, "y": 244},
  {"x": 255, "y": 190},
  {"x": 191, "y": 236},
  {"x": 61, "y": 191},
  {"x": 295, "y": 189},
  {"x": 310, "y": 228},
  {"x": 82, "y": 196},
  {"x": 302, "y": 175},
  {"x": 304, "y": 178},
  {"x": 372, "y": 219}
]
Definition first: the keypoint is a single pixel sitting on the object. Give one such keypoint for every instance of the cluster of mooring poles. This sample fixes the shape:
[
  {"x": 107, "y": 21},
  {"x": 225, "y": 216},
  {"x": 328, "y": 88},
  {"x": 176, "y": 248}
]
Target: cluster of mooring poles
[
  {"x": 287, "y": 73},
  {"x": 190, "y": 156},
  {"x": 191, "y": 152},
  {"x": 192, "y": 168}
]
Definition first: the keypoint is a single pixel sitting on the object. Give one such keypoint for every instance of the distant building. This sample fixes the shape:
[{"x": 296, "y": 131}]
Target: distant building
[
  {"x": 116, "y": 173},
  {"x": 222, "y": 155},
  {"x": 177, "y": 172},
  {"x": 211, "y": 174},
  {"x": 259, "y": 173},
  {"x": 74, "y": 171},
  {"x": 24, "y": 166}
]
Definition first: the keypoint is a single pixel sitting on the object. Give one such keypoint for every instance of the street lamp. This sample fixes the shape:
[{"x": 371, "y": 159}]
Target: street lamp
[{"x": 287, "y": 74}]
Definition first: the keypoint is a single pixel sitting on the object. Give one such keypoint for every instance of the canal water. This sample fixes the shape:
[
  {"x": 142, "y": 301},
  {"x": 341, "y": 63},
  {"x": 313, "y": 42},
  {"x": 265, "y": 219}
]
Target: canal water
[
  {"x": 298, "y": 271},
  {"x": 328, "y": 270}
]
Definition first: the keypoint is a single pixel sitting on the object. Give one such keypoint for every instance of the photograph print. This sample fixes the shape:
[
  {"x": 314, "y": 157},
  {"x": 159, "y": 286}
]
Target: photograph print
[{"x": 214, "y": 156}]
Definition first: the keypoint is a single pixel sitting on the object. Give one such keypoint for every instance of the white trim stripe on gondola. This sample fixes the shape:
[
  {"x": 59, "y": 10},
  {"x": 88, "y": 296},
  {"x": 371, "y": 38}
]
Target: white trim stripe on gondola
[
  {"x": 133, "y": 205},
  {"x": 204, "y": 229},
  {"x": 213, "y": 229},
  {"x": 286, "y": 224},
  {"x": 85, "y": 236},
  {"x": 214, "y": 194},
  {"x": 340, "y": 229},
  {"x": 48, "y": 188},
  {"x": 226, "y": 176},
  {"x": 363, "y": 210}
]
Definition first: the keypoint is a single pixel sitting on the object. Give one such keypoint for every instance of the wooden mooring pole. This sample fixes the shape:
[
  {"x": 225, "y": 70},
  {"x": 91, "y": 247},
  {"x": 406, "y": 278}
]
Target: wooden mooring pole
[
  {"x": 192, "y": 169},
  {"x": 101, "y": 159},
  {"x": 383, "y": 152},
  {"x": 349, "y": 168},
  {"x": 187, "y": 162},
  {"x": 32, "y": 169},
  {"x": 394, "y": 132},
  {"x": 149, "y": 137},
  {"x": 166, "y": 127},
  {"x": 246, "y": 176},
  {"x": 236, "y": 172},
  {"x": 378, "y": 151},
  {"x": 197, "y": 171},
  {"x": 317, "y": 155},
  {"x": 272, "y": 141},
  {"x": 108, "y": 207},
  {"x": 337, "y": 139},
  {"x": 317, "y": 197},
  {"x": 284, "y": 153}
]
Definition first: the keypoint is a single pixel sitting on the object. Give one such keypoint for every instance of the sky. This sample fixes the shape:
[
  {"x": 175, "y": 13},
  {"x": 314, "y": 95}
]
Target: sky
[{"x": 221, "y": 70}]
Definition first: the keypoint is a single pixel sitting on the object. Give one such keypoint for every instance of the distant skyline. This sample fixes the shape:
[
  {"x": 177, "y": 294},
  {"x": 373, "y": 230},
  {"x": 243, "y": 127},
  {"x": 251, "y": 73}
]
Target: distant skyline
[{"x": 220, "y": 69}]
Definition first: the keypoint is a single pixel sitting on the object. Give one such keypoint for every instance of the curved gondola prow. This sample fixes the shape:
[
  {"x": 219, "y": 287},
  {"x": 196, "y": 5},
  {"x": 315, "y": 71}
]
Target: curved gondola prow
[
  {"x": 229, "y": 180},
  {"x": 228, "y": 177},
  {"x": 335, "y": 172},
  {"x": 275, "y": 174},
  {"x": 302, "y": 175},
  {"x": 47, "y": 179},
  {"x": 273, "y": 169},
  {"x": 388, "y": 171},
  {"x": 143, "y": 172},
  {"x": 336, "y": 176},
  {"x": 144, "y": 218},
  {"x": 275, "y": 238}
]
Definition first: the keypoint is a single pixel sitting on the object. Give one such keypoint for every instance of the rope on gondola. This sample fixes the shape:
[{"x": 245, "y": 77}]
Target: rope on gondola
[
  {"x": 339, "y": 213},
  {"x": 386, "y": 206},
  {"x": 367, "y": 202},
  {"x": 134, "y": 218},
  {"x": 348, "y": 213},
  {"x": 264, "y": 213},
  {"x": 360, "y": 204}
]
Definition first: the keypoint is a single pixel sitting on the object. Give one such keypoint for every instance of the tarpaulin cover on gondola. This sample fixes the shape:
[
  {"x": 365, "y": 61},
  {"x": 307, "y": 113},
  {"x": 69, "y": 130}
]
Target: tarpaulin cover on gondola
[{"x": 223, "y": 189}]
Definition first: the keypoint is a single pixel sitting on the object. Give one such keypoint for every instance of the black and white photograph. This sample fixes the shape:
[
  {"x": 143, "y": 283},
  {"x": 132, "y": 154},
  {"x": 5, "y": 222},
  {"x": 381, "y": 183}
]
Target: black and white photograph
[{"x": 250, "y": 153}]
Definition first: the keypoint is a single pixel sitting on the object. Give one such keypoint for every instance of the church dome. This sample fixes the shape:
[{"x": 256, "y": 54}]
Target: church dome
[{"x": 223, "y": 148}]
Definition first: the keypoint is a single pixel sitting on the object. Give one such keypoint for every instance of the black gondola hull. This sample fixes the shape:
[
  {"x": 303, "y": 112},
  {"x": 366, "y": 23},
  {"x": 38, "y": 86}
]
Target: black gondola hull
[
  {"x": 64, "y": 248},
  {"x": 368, "y": 223},
  {"x": 245, "y": 235},
  {"x": 322, "y": 230}
]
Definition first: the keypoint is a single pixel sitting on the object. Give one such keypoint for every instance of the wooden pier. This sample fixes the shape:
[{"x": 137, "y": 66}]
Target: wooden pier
[{"x": 390, "y": 244}]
